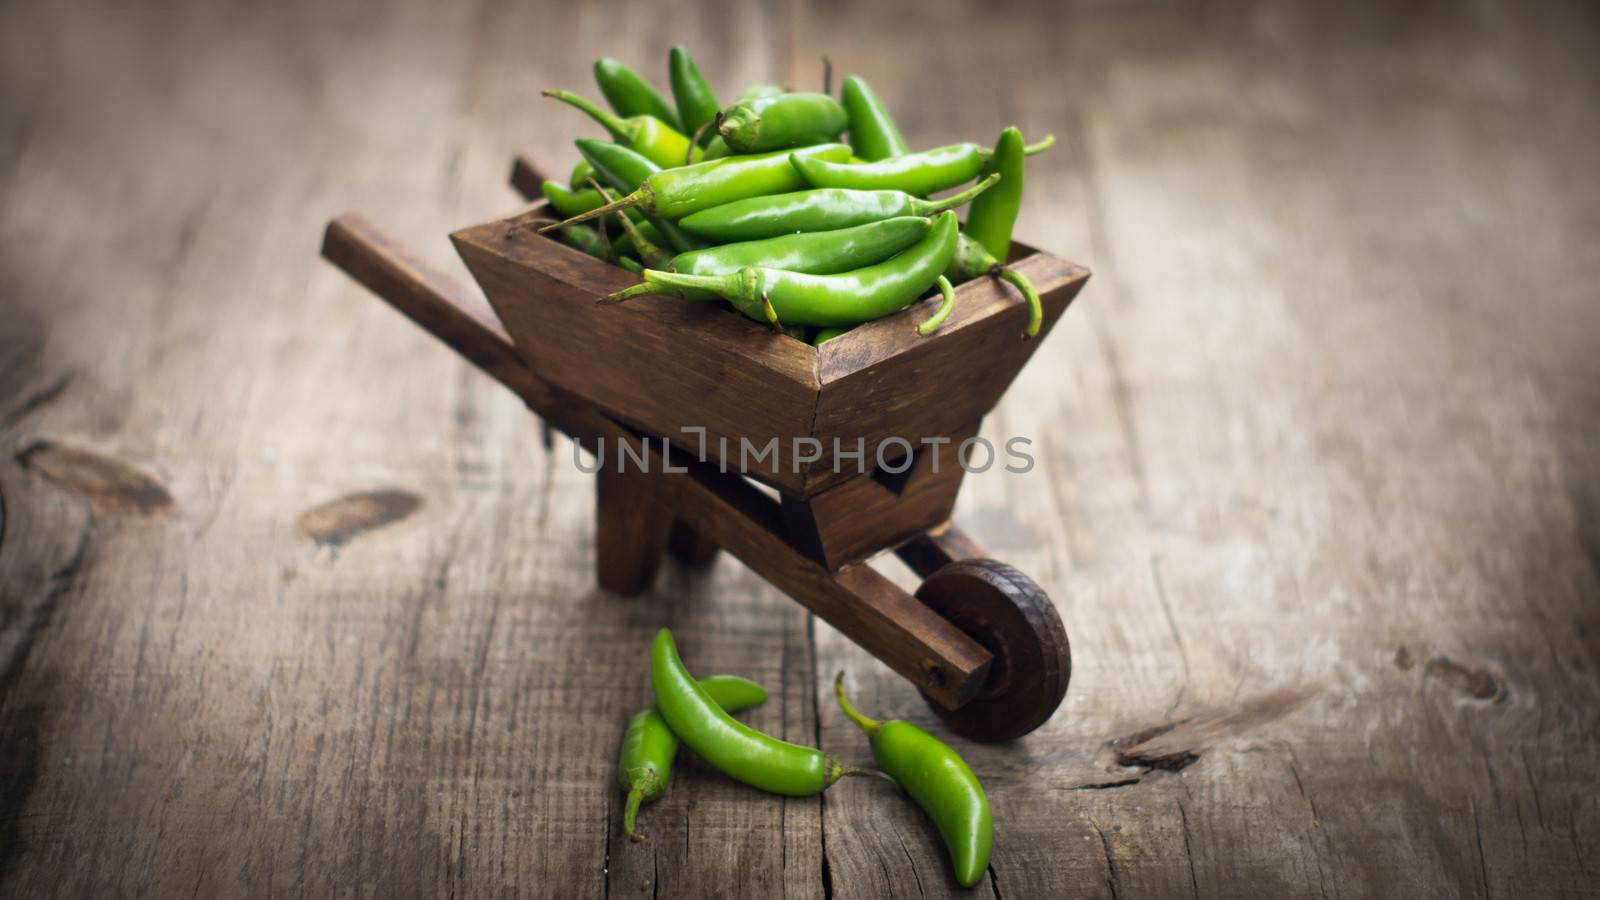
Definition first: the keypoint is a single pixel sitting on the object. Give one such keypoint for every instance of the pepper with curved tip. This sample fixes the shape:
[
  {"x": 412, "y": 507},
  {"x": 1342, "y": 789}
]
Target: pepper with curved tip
[
  {"x": 697, "y": 105},
  {"x": 785, "y": 120},
  {"x": 820, "y": 209},
  {"x": 571, "y": 202},
  {"x": 940, "y": 782},
  {"x": 815, "y": 252},
  {"x": 947, "y": 303},
  {"x": 630, "y": 94},
  {"x": 873, "y": 134},
  {"x": 674, "y": 193},
  {"x": 730, "y": 746},
  {"x": 923, "y": 173},
  {"x": 581, "y": 173},
  {"x": 625, "y": 170},
  {"x": 847, "y": 298},
  {"x": 994, "y": 215},
  {"x": 656, "y": 140},
  {"x": 972, "y": 260},
  {"x": 644, "y": 767}
]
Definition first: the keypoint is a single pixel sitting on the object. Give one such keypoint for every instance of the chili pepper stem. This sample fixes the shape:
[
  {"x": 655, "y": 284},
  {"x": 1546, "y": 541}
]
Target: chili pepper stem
[
  {"x": 631, "y": 814},
  {"x": 931, "y": 207},
  {"x": 870, "y": 726},
  {"x": 838, "y": 770},
  {"x": 649, "y": 252},
  {"x": 637, "y": 290},
  {"x": 694, "y": 140},
  {"x": 1035, "y": 305},
  {"x": 932, "y": 323},
  {"x": 643, "y": 198},
  {"x": 1040, "y": 147},
  {"x": 609, "y": 121}
]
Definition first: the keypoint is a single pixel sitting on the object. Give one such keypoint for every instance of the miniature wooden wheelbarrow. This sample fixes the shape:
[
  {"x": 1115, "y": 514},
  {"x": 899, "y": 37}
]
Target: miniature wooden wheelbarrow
[{"x": 679, "y": 392}]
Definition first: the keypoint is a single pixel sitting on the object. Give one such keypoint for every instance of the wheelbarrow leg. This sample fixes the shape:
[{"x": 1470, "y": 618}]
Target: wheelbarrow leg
[
  {"x": 689, "y": 547},
  {"x": 631, "y": 532}
]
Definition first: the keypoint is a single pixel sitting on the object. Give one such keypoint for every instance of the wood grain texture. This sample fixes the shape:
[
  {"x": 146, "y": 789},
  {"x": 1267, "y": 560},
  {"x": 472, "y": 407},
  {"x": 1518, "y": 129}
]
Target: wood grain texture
[{"x": 1315, "y": 489}]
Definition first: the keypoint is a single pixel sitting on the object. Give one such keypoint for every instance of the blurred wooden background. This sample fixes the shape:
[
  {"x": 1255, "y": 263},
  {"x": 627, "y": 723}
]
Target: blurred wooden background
[{"x": 1319, "y": 462}]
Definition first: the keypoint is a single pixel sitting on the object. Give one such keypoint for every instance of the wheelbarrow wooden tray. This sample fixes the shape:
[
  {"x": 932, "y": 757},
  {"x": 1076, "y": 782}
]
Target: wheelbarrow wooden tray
[{"x": 663, "y": 365}]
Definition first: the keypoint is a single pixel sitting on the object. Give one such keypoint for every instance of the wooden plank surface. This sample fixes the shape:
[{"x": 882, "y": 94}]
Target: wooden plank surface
[{"x": 293, "y": 601}]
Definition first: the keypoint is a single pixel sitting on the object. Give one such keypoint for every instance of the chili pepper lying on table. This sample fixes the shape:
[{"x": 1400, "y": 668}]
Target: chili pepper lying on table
[
  {"x": 817, "y": 253},
  {"x": 783, "y": 120},
  {"x": 939, "y": 780},
  {"x": 630, "y": 94},
  {"x": 921, "y": 173},
  {"x": 986, "y": 240},
  {"x": 656, "y": 140},
  {"x": 873, "y": 134},
  {"x": 821, "y": 209},
  {"x": 644, "y": 767},
  {"x": 848, "y": 298},
  {"x": 674, "y": 193},
  {"x": 730, "y": 746}
]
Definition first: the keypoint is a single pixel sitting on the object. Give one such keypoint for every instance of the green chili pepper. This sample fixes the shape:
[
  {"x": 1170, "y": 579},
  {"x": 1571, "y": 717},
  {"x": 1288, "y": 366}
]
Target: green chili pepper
[
  {"x": 822, "y": 209},
  {"x": 947, "y": 303},
  {"x": 716, "y": 148},
  {"x": 674, "y": 193},
  {"x": 582, "y": 237},
  {"x": 873, "y": 133},
  {"x": 939, "y": 780},
  {"x": 732, "y": 747},
  {"x": 915, "y": 173},
  {"x": 658, "y": 141},
  {"x": 648, "y": 746},
  {"x": 625, "y": 170},
  {"x": 581, "y": 173},
  {"x": 993, "y": 215},
  {"x": 971, "y": 260},
  {"x": 569, "y": 202},
  {"x": 630, "y": 94},
  {"x": 696, "y": 104},
  {"x": 816, "y": 252},
  {"x": 623, "y": 244},
  {"x": 786, "y": 120},
  {"x": 826, "y": 334},
  {"x": 846, "y": 298}
]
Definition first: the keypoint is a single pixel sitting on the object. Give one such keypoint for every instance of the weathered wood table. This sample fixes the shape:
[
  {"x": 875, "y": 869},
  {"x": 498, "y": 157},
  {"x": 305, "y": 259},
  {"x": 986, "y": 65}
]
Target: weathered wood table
[{"x": 291, "y": 601}]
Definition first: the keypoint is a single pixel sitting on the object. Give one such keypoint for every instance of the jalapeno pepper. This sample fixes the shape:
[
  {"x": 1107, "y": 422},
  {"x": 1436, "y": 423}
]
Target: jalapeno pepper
[
  {"x": 730, "y": 746},
  {"x": 921, "y": 173},
  {"x": 993, "y": 215},
  {"x": 986, "y": 242},
  {"x": 939, "y": 780},
  {"x": 785, "y": 120},
  {"x": 570, "y": 202},
  {"x": 674, "y": 193},
  {"x": 821, "y": 209},
  {"x": 873, "y": 134},
  {"x": 846, "y": 298},
  {"x": 630, "y": 94},
  {"x": 581, "y": 173},
  {"x": 625, "y": 170},
  {"x": 644, "y": 767},
  {"x": 696, "y": 104},
  {"x": 817, "y": 252},
  {"x": 656, "y": 140}
]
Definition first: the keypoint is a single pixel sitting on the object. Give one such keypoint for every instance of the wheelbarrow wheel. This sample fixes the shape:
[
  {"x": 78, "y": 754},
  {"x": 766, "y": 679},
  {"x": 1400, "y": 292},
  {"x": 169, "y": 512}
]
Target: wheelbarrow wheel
[{"x": 1008, "y": 613}]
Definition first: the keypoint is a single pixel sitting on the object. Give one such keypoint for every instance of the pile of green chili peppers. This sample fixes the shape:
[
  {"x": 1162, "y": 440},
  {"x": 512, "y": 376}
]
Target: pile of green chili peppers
[
  {"x": 760, "y": 204},
  {"x": 697, "y": 713}
]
